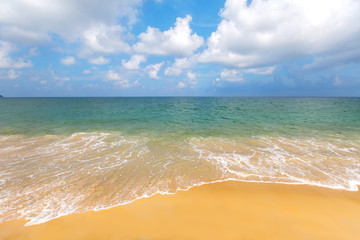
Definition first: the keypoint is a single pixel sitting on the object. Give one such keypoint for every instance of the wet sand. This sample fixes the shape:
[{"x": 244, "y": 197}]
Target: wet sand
[{"x": 229, "y": 210}]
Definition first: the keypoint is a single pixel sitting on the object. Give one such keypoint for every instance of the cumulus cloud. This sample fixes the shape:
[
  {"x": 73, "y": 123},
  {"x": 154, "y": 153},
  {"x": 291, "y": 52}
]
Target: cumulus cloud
[
  {"x": 99, "y": 60},
  {"x": 104, "y": 39},
  {"x": 38, "y": 80},
  {"x": 191, "y": 76},
  {"x": 34, "y": 51},
  {"x": 101, "y": 27},
  {"x": 33, "y": 21},
  {"x": 12, "y": 74},
  {"x": 68, "y": 60},
  {"x": 231, "y": 75},
  {"x": 153, "y": 70},
  {"x": 177, "y": 41},
  {"x": 191, "y": 79},
  {"x": 58, "y": 79},
  {"x": 261, "y": 71},
  {"x": 112, "y": 75},
  {"x": 24, "y": 36},
  {"x": 179, "y": 66},
  {"x": 134, "y": 62},
  {"x": 268, "y": 32},
  {"x": 119, "y": 80},
  {"x": 6, "y": 61},
  {"x": 181, "y": 85}
]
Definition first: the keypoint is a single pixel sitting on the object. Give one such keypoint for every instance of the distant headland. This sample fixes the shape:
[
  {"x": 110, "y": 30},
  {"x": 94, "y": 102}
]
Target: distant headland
[{"x": 1, "y": 96}]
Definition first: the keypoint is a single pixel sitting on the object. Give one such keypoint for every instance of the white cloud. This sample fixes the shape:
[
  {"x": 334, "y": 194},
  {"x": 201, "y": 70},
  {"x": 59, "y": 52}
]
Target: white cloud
[
  {"x": 191, "y": 78},
  {"x": 153, "y": 70},
  {"x": 38, "y": 80},
  {"x": 99, "y": 60},
  {"x": 33, "y": 21},
  {"x": 113, "y": 76},
  {"x": 34, "y": 51},
  {"x": 12, "y": 74},
  {"x": 104, "y": 39},
  {"x": 261, "y": 71},
  {"x": 177, "y": 41},
  {"x": 231, "y": 75},
  {"x": 6, "y": 61},
  {"x": 23, "y": 36},
  {"x": 268, "y": 32},
  {"x": 181, "y": 85},
  {"x": 134, "y": 62},
  {"x": 68, "y": 61},
  {"x": 179, "y": 65},
  {"x": 90, "y": 85},
  {"x": 86, "y": 71},
  {"x": 34, "y": 78},
  {"x": 60, "y": 80},
  {"x": 119, "y": 80},
  {"x": 95, "y": 24}
]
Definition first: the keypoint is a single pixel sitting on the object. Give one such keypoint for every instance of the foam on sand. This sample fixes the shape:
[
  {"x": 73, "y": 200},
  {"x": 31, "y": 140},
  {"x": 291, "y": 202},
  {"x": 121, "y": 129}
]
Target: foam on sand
[{"x": 46, "y": 177}]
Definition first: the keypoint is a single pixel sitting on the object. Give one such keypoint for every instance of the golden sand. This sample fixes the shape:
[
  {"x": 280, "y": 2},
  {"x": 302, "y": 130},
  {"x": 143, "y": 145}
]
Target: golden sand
[{"x": 230, "y": 210}]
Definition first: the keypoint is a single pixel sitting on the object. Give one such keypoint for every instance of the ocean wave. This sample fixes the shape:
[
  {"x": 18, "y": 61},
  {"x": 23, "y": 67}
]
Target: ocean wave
[
  {"x": 45, "y": 177},
  {"x": 332, "y": 163}
]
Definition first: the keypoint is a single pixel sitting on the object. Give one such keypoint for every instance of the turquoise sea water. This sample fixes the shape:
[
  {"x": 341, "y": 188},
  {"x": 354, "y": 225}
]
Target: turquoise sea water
[
  {"x": 64, "y": 155},
  {"x": 181, "y": 116}
]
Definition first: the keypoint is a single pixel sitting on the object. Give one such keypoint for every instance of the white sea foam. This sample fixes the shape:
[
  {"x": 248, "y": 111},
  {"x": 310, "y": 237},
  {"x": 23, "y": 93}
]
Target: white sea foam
[
  {"x": 45, "y": 177},
  {"x": 300, "y": 161}
]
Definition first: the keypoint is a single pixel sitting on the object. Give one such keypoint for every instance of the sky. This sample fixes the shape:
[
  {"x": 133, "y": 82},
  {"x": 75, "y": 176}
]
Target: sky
[{"x": 179, "y": 48}]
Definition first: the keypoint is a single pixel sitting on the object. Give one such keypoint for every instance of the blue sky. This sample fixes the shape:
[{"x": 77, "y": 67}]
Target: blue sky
[{"x": 179, "y": 48}]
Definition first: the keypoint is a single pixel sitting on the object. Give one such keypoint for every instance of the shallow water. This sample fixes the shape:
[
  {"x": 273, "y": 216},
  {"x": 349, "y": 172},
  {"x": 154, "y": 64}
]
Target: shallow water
[{"x": 64, "y": 155}]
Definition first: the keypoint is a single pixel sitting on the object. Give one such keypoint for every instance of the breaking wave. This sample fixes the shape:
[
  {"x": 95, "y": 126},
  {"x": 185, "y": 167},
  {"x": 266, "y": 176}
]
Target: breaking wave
[{"x": 45, "y": 177}]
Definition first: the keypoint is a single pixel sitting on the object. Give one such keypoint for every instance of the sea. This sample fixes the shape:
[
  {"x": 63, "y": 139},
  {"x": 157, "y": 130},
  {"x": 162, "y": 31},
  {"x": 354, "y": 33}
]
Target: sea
[{"x": 60, "y": 156}]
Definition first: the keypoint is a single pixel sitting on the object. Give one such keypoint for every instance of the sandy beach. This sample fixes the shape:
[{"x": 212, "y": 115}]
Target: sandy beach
[
  {"x": 179, "y": 120},
  {"x": 228, "y": 210}
]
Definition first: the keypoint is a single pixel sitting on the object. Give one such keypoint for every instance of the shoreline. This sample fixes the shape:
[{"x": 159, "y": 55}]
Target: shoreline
[{"x": 222, "y": 210}]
